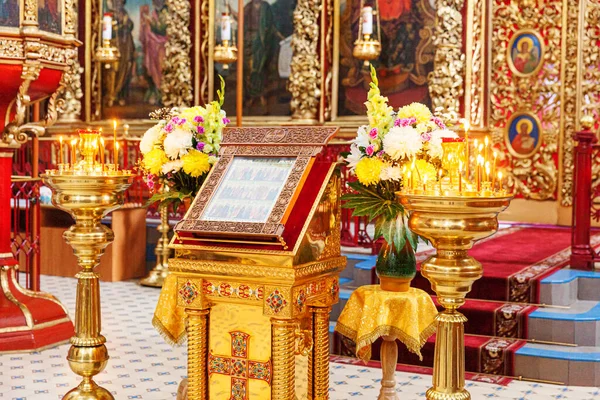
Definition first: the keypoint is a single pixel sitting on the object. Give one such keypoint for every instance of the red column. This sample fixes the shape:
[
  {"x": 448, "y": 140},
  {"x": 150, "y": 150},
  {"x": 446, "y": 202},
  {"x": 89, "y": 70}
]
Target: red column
[{"x": 582, "y": 254}]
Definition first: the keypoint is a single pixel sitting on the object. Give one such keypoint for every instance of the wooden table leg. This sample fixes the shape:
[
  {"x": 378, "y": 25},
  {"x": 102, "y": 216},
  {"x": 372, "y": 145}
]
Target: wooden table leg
[{"x": 389, "y": 358}]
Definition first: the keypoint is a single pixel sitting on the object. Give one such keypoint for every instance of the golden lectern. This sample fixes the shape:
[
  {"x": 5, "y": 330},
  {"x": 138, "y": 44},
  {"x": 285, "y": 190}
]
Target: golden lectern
[{"x": 256, "y": 268}]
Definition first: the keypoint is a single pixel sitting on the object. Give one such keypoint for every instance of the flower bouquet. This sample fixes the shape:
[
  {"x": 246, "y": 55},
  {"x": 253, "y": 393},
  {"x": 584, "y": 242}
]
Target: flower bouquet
[
  {"x": 179, "y": 151},
  {"x": 395, "y": 149}
]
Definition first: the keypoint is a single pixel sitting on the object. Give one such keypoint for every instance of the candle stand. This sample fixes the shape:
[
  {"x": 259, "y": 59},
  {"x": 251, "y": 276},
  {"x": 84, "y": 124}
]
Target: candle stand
[
  {"x": 88, "y": 191},
  {"x": 452, "y": 224}
]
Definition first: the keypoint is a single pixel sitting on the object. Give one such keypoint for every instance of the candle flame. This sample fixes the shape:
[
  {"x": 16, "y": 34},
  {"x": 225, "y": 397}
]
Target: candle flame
[
  {"x": 73, "y": 142},
  {"x": 480, "y": 148},
  {"x": 117, "y": 145},
  {"x": 114, "y": 124},
  {"x": 102, "y": 141},
  {"x": 499, "y": 175},
  {"x": 495, "y": 155},
  {"x": 487, "y": 141},
  {"x": 60, "y": 139},
  {"x": 460, "y": 166}
]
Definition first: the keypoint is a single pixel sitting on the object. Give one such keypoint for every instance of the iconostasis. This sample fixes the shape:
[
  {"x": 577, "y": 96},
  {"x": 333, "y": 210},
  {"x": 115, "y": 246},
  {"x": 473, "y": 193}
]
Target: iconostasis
[{"x": 522, "y": 73}]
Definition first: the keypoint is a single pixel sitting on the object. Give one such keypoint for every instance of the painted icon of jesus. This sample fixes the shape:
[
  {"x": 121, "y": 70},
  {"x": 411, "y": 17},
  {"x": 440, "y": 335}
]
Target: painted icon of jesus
[{"x": 524, "y": 135}]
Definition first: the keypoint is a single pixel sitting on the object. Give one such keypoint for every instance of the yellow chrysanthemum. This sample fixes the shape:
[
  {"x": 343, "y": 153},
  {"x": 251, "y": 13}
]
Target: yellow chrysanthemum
[
  {"x": 416, "y": 110},
  {"x": 190, "y": 113},
  {"x": 154, "y": 160},
  {"x": 368, "y": 170},
  {"x": 195, "y": 163}
]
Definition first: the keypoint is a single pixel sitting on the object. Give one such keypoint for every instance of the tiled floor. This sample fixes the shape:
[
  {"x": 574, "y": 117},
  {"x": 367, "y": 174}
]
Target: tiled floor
[{"x": 143, "y": 366}]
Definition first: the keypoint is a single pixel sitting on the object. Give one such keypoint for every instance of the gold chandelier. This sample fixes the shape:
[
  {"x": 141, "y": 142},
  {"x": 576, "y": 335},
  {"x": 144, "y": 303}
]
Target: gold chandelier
[
  {"x": 368, "y": 45},
  {"x": 107, "y": 53}
]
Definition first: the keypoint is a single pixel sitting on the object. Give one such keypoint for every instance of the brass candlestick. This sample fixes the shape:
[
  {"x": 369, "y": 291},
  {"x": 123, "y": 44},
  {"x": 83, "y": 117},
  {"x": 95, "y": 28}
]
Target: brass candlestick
[
  {"x": 88, "y": 191},
  {"x": 159, "y": 273},
  {"x": 453, "y": 225}
]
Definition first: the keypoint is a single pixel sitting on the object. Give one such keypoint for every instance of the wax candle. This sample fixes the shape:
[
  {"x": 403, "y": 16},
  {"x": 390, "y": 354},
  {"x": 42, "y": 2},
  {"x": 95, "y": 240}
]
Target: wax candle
[
  {"x": 107, "y": 26},
  {"x": 102, "y": 152},
  {"x": 117, "y": 156},
  {"x": 60, "y": 150},
  {"x": 460, "y": 167},
  {"x": 115, "y": 146},
  {"x": 467, "y": 149},
  {"x": 487, "y": 171},
  {"x": 73, "y": 151},
  {"x": 494, "y": 164},
  {"x": 479, "y": 165},
  {"x": 425, "y": 184},
  {"x": 366, "y": 16},
  {"x": 500, "y": 185},
  {"x": 225, "y": 27},
  {"x": 440, "y": 173},
  {"x": 487, "y": 148}
]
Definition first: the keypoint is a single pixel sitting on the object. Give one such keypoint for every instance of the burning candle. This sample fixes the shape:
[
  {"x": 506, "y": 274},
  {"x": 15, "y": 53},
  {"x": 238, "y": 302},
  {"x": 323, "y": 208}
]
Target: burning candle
[
  {"x": 494, "y": 164},
  {"x": 487, "y": 171},
  {"x": 425, "y": 184},
  {"x": 73, "y": 151},
  {"x": 225, "y": 27},
  {"x": 115, "y": 146},
  {"x": 500, "y": 185},
  {"x": 467, "y": 149},
  {"x": 487, "y": 147},
  {"x": 117, "y": 156},
  {"x": 107, "y": 26},
  {"x": 366, "y": 17},
  {"x": 102, "y": 152},
  {"x": 479, "y": 166},
  {"x": 440, "y": 173},
  {"x": 60, "y": 150}
]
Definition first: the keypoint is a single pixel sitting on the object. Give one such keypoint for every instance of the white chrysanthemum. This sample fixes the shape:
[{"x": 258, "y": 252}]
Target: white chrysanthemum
[
  {"x": 402, "y": 142},
  {"x": 362, "y": 137},
  {"x": 434, "y": 146},
  {"x": 150, "y": 138},
  {"x": 390, "y": 173},
  {"x": 354, "y": 157},
  {"x": 172, "y": 166},
  {"x": 177, "y": 143}
]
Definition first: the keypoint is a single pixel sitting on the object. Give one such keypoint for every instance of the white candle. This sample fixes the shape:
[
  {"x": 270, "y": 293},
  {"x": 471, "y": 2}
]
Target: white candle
[
  {"x": 367, "y": 20},
  {"x": 107, "y": 26},
  {"x": 226, "y": 27}
]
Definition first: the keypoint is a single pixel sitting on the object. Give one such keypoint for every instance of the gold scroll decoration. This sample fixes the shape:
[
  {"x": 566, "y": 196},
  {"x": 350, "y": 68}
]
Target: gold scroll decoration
[
  {"x": 305, "y": 78},
  {"x": 204, "y": 95},
  {"x": 68, "y": 103},
  {"x": 176, "y": 84},
  {"x": 536, "y": 92},
  {"x": 446, "y": 82},
  {"x": 476, "y": 76},
  {"x": 582, "y": 77}
]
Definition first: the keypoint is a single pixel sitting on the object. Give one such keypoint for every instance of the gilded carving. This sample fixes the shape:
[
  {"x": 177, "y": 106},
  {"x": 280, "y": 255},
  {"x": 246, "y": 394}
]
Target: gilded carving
[
  {"x": 204, "y": 45},
  {"x": 70, "y": 18},
  {"x": 582, "y": 76},
  {"x": 51, "y": 53},
  {"x": 446, "y": 82},
  {"x": 30, "y": 12},
  {"x": 328, "y": 62},
  {"x": 476, "y": 66},
  {"x": 534, "y": 177},
  {"x": 305, "y": 79},
  {"x": 316, "y": 135},
  {"x": 69, "y": 101},
  {"x": 176, "y": 85},
  {"x": 11, "y": 48}
]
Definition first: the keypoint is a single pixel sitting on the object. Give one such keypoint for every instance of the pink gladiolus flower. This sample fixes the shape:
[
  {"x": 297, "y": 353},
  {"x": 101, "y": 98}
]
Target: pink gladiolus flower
[
  {"x": 198, "y": 119},
  {"x": 404, "y": 122},
  {"x": 439, "y": 122},
  {"x": 426, "y": 137},
  {"x": 200, "y": 130},
  {"x": 200, "y": 146},
  {"x": 169, "y": 128},
  {"x": 373, "y": 133},
  {"x": 226, "y": 121}
]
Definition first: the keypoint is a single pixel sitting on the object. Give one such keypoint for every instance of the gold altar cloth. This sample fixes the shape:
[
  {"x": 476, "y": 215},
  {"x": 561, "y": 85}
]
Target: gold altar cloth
[
  {"x": 169, "y": 319},
  {"x": 372, "y": 313}
]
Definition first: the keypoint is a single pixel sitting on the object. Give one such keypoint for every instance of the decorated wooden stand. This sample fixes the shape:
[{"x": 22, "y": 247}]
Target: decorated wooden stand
[{"x": 257, "y": 268}]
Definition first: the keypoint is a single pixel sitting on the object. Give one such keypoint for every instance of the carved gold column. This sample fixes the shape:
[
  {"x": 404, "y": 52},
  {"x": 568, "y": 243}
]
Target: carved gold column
[
  {"x": 177, "y": 83},
  {"x": 68, "y": 102},
  {"x": 446, "y": 82},
  {"x": 283, "y": 344},
  {"x": 197, "y": 333},
  {"x": 305, "y": 78},
  {"x": 321, "y": 352},
  {"x": 157, "y": 276}
]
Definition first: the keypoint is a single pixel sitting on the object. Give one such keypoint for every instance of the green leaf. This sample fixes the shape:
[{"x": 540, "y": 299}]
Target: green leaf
[
  {"x": 413, "y": 239},
  {"x": 364, "y": 205},
  {"x": 221, "y": 92},
  {"x": 166, "y": 198},
  {"x": 392, "y": 230}
]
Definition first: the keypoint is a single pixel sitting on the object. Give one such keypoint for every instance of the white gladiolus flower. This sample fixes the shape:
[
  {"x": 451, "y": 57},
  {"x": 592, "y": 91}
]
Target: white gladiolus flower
[
  {"x": 402, "y": 142},
  {"x": 354, "y": 157},
  {"x": 362, "y": 139},
  {"x": 177, "y": 143},
  {"x": 390, "y": 173},
  {"x": 172, "y": 166},
  {"x": 435, "y": 149},
  {"x": 150, "y": 138}
]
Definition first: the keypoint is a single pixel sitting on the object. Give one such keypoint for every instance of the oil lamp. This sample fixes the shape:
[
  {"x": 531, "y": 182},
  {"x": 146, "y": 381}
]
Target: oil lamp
[
  {"x": 368, "y": 46},
  {"x": 226, "y": 52},
  {"x": 88, "y": 190},
  {"x": 107, "y": 53}
]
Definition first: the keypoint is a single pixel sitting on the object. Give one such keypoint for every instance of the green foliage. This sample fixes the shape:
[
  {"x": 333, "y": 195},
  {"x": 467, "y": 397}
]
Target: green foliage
[
  {"x": 168, "y": 198},
  {"x": 221, "y": 91}
]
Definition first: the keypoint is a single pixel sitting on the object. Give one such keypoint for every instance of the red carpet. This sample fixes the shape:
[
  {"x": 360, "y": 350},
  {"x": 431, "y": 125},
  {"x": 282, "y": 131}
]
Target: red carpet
[{"x": 515, "y": 262}]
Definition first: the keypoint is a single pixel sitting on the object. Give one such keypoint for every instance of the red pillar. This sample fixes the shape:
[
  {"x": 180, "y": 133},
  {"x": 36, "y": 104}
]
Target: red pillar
[
  {"x": 582, "y": 253},
  {"x": 29, "y": 320}
]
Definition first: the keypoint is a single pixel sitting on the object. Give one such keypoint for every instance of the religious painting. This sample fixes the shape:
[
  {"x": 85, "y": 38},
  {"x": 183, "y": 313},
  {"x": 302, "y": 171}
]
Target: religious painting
[
  {"x": 523, "y": 135},
  {"x": 50, "y": 16},
  {"x": 249, "y": 190},
  {"x": 9, "y": 13},
  {"x": 406, "y": 56},
  {"x": 131, "y": 88},
  {"x": 525, "y": 52},
  {"x": 268, "y": 29}
]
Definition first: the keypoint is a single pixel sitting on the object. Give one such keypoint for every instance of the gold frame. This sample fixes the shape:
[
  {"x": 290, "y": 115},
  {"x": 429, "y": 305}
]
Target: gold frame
[
  {"x": 507, "y": 135},
  {"x": 509, "y": 59}
]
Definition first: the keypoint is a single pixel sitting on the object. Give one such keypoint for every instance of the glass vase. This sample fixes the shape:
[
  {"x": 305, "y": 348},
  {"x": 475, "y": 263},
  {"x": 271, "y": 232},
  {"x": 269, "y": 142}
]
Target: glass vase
[{"x": 396, "y": 269}]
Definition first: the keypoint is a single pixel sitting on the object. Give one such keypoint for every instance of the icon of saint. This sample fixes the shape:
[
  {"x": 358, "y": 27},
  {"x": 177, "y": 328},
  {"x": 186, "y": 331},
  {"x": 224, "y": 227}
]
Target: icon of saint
[
  {"x": 525, "y": 56},
  {"x": 523, "y": 142}
]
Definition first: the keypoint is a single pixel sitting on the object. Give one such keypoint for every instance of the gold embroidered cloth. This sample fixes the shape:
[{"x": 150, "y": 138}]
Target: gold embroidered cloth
[
  {"x": 169, "y": 320},
  {"x": 372, "y": 313}
]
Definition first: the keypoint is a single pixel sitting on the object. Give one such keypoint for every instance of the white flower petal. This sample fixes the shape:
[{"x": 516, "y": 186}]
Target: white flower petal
[
  {"x": 177, "y": 143},
  {"x": 402, "y": 142}
]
